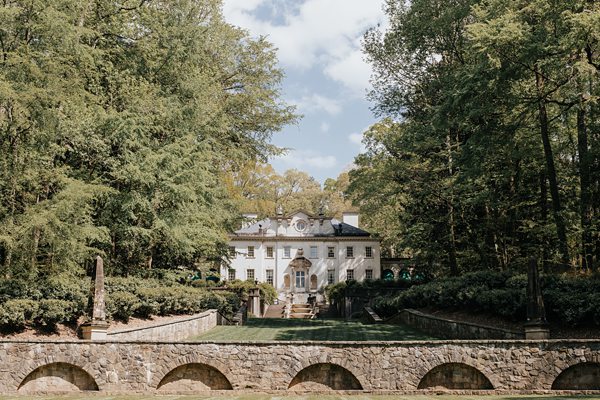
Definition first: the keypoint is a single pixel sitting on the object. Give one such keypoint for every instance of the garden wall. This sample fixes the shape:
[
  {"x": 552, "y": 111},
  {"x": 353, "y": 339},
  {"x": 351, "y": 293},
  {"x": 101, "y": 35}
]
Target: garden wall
[
  {"x": 386, "y": 367},
  {"x": 446, "y": 328},
  {"x": 176, "y": 330}
]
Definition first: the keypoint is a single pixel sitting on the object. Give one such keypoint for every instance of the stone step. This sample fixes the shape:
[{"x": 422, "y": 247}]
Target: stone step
[
  {"x": 274, "y": 311},
  {"x": 301, "y": 315}
]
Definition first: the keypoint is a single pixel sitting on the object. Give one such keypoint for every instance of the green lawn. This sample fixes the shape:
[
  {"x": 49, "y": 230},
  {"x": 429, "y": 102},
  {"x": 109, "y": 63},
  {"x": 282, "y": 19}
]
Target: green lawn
[{"x": 316, "y": 329}]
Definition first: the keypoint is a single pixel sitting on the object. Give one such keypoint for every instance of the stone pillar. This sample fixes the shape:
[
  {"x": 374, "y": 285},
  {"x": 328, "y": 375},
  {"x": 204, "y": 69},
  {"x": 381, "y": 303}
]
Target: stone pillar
[
  {"x": 536, "y": 327},
  {"x": 254, "y": 302},
  {"x": 293, "y": 281},
  {"x": 96, "y": 329}
]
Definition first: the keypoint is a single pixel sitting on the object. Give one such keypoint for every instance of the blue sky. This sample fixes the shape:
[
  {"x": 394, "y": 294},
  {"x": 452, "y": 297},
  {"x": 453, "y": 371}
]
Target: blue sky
[{"x": 319, "y": 49}]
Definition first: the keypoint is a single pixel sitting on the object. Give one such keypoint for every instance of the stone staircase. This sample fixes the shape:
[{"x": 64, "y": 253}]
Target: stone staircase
[
  {"x": 275, "y": 311},
  {"x": 301, "y": 311}
]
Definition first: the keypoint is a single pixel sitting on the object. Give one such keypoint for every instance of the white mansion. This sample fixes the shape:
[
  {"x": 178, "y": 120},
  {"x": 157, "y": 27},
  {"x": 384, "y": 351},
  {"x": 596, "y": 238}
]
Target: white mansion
[{"x": 301, "y": 253}]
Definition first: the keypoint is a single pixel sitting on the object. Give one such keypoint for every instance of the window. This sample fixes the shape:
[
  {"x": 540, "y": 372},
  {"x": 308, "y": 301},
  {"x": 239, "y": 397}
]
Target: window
[
  {"x": 369, "y": 274},
  {"x": 269, "y": 252},
  {"x": 330, "y": 276},
  {"x": 368, "y": 252},
  {"x": 287, "y": 252},
  {"x": 300, "y": 279},
  {"x": 250, "y": 252},
  {"x": 270, "y": 277},
  {"x": 350, "y": 275},
  {"x": 314, "y": 253},
  {"x": 330, "y": 252},
  {"x": 250, "y": 274},
  {"x": 232, "y": 251},
  {"x": 349, "y": 252},
  {"x": 231, "y": 274},
  {"x": 301, "y": 225}
]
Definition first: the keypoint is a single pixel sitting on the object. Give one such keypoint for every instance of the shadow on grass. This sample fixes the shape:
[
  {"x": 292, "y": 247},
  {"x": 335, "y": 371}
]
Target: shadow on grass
[{"x": 335, "y": 330}]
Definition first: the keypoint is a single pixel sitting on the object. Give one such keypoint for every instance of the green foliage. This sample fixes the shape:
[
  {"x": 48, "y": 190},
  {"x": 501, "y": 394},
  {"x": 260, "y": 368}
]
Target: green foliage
[
  {"x": 122, "y": 305},
  {"x": 51, "y": 312},
  {"x": 242, "y": 288},
  {"x": 145, "y": 297},
  {"x": 15, "y": 314},
  {"x": 113, "y": 122},
  {"x": 488, "y": 151},
  {"x": 569, "y": 300},
  {"x": 373, "y": 288}
]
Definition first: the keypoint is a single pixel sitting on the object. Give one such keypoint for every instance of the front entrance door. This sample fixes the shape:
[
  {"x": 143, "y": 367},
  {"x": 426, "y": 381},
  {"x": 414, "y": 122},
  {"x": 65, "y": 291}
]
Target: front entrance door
[{"x": 300, "y": 280}]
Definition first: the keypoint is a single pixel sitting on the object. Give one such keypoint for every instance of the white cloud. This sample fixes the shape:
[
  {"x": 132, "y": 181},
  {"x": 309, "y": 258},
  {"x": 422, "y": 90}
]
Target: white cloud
[
  {"x": 303, "y": 158},
  {"x": 316, "y": 103},
  {"x": 356, "y": 138},
  {"x": 324, "y": 127},
  {"x": 323, "y": 33}
]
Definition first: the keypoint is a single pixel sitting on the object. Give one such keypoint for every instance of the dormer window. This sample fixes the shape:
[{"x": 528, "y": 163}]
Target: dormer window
[{"x": 301, "y": 225}]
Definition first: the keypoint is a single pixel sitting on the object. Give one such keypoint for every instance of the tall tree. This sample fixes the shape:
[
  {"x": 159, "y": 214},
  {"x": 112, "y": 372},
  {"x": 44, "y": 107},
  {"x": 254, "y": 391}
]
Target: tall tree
[{"x": 115, "y": 119}]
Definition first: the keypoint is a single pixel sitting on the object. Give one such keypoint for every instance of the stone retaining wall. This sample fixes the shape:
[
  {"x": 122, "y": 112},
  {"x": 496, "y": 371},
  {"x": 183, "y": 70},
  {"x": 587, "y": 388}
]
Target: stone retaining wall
[
  {"x": 447, "y": 328},
  {"x": 386, "y": 367},
  {"x": 176, "y": 330}
]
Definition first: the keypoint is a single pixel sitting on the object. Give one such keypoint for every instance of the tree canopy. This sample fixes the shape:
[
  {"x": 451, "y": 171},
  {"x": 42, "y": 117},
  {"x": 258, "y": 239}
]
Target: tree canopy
[
  {"x": 490, "y": 148},
  {"x": 118, "y": 121}
]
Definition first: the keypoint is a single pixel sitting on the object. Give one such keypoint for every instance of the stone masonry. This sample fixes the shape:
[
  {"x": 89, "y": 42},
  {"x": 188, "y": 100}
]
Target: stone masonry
[{"x": 117, "y": 367}]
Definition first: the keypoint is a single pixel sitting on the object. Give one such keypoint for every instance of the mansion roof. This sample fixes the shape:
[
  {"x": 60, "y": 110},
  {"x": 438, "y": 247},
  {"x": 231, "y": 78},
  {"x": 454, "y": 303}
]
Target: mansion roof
[{"x": 300, "y": 225}]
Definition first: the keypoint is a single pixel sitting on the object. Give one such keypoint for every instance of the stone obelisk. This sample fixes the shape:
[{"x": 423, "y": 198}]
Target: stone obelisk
[
  {"x": 96, "y": 329},
  {"x": 536, "y": 327}
]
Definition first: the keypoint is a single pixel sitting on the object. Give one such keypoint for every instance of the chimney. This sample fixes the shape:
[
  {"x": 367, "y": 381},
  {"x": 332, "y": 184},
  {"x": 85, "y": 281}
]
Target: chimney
[
  {"x": 350, "y": 218},
  {"x": 248, "y": 219}
]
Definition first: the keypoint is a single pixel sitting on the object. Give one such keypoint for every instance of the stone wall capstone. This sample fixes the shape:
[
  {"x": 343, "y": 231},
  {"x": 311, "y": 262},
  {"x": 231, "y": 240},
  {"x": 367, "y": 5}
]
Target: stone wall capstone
[{"x": 176, "y": 330}]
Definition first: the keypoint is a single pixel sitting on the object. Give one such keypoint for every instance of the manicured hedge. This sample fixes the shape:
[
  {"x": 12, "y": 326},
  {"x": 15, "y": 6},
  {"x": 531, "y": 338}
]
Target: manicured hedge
[
  {"x": 571, "y": 300},
  {"x": 63, "y": 298}
]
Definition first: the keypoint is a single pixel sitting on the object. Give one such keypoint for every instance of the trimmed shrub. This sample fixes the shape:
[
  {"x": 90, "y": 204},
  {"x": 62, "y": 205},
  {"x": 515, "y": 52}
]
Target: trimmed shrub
[
  {"x": 54, "y": 311},
  {"x": 122, "y": 305},
  {"x": 15, "y": 314},
  {"x": 570, "y": 300}
]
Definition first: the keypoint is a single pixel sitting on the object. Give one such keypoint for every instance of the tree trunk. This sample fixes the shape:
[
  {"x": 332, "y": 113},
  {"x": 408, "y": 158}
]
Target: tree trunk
[
  {"x": 587, "y": 259},
  {"x": 544, "y": 219},
  {"x": 453, "y": 264},
  {"x": 551, "y": 171}
]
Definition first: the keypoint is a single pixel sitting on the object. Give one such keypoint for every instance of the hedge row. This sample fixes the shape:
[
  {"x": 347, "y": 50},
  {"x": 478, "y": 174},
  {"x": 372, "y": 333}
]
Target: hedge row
[
  {"x": 63, "y": 298},
  {"x": 568, "y": 300},
  {"x": 146, "y": 301},
  {"x": 16, "y": 314}
]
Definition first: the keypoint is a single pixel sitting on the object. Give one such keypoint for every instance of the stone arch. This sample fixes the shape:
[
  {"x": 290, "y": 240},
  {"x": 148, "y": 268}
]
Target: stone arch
[
  {"x": 286, "y": 281},
  {"x": 59, "y": 358},
  {"x": 313, "y": 282},
  {"x": 581, "y": 376},
  {"x": 454, "y": 375},
  {"x": 58, "y": 377},
  {"x": 388, "y": 275},
  {"x": 194, "y": 377},
  {"x": 198, "y": 369},
  {"x": 324, "y": 376}
]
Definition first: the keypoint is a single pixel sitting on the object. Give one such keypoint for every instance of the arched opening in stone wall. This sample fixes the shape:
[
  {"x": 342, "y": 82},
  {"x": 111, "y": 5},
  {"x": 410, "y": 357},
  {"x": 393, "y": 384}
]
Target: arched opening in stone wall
[
  {"x": 582, "y": 376},
  {"x": 194, "y": 377},
  {"x": 324, "y": 376},
  {"x": 286, "y": 281},
  {"x": 455, "y": 376},
  {"x": 313, "y": 282},
  {"x": 57, "y": 377}
]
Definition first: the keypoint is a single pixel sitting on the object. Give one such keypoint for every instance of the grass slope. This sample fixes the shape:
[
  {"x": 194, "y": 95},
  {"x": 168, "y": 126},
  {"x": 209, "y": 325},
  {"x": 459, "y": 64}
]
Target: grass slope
[{"x": 303, "y": 329}]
